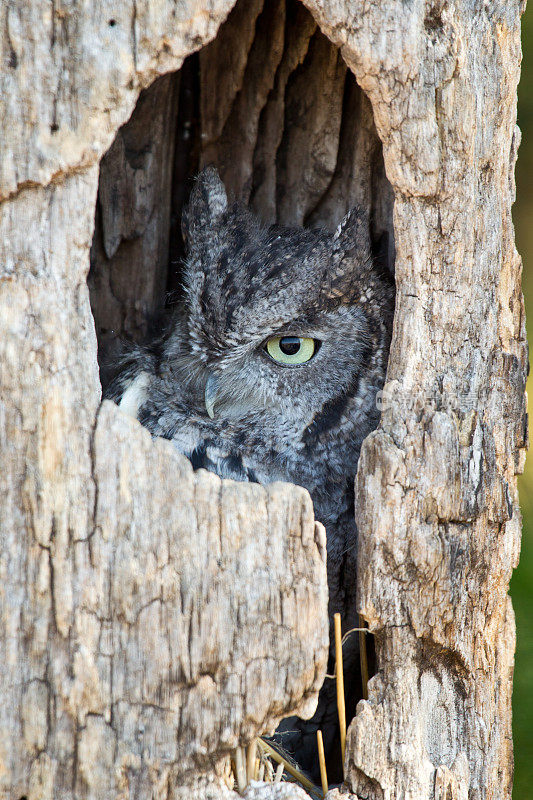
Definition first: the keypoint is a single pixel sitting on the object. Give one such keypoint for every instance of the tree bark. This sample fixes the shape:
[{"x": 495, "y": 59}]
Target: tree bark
[{"x": 152, "y": 618}]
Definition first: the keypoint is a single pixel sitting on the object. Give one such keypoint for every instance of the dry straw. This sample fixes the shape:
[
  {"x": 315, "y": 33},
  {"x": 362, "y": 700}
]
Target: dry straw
[
  {"x": 339, "y": 674},
  {"x": 363, "y": 657},
  {"x": 240, "y": 769},
  {"x": 299, "y": 776},
  {"x": 250, "y": 760},
  {"x": 322, "y": 762}
]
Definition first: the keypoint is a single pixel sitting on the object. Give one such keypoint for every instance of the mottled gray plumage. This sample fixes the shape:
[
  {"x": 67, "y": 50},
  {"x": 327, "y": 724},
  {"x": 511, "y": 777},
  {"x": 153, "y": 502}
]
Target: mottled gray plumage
[{"x": 244, "y": 284}]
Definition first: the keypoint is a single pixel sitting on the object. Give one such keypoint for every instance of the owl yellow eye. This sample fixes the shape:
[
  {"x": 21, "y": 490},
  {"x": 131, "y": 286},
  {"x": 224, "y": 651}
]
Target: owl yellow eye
[{"x": 291, "y": 349}]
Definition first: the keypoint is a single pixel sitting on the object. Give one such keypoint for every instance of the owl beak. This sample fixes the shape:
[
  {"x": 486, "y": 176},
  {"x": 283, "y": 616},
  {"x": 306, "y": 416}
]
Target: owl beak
[{"x": 210, "y": 396}]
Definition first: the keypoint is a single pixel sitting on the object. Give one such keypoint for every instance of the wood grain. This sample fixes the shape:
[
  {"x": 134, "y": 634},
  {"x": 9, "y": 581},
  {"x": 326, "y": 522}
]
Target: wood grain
[{"x": 150, "y": 617}]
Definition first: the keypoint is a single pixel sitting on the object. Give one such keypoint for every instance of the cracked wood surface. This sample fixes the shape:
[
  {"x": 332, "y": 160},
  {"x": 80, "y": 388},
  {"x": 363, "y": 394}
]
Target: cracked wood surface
[
  {"x": 146, "y": 609},
  {"x": 436, "y": 498},
  {"x": 87, "y": 596},
  {"x": 151, "y": 617}
]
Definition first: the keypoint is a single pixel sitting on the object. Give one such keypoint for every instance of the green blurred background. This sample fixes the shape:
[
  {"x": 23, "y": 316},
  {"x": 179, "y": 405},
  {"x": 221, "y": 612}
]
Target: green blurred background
[{"x": 522, "y": 583}]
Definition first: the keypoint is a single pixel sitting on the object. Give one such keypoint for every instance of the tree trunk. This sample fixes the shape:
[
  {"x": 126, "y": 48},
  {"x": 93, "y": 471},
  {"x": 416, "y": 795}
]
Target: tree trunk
[{"x": 153, "y": 618}]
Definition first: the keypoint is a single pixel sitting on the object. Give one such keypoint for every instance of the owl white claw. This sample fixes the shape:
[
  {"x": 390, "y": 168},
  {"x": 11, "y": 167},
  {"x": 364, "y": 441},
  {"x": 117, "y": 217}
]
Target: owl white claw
[
  {"x": 210, "y": 396},
  {"x": 135, "y": 395}
]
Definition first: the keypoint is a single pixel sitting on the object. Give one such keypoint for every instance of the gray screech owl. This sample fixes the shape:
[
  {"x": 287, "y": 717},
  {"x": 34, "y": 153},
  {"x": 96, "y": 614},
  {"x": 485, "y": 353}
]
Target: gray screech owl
[{"x": 269, "y": 370}]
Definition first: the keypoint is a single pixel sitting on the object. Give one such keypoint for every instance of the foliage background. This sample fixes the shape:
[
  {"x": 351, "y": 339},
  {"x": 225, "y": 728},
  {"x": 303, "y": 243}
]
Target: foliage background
[{"x": 522, "y": 583}]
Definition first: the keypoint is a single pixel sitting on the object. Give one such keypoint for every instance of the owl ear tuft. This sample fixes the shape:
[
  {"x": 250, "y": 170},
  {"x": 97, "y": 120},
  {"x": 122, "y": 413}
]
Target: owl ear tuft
[
  {"x": 353, "y": 231},
  {"x": 207, "y": 203}
]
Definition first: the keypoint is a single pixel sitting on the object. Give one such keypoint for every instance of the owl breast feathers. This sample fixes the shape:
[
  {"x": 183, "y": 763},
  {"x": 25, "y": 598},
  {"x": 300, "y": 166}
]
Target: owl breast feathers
[{"x": 269, "y": 368}]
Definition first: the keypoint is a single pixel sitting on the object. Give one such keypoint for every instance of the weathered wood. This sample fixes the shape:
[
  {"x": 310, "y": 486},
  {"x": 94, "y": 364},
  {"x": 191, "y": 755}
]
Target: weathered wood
[
  {"x": 133, "y": 217},
  {"x": 143, "y": 607},
  {"x": 286, "y": 124},
  {"x": 99, "y": 525},
  {"x": 129, "y": 628},
  {"x": 437, "y": 503}
]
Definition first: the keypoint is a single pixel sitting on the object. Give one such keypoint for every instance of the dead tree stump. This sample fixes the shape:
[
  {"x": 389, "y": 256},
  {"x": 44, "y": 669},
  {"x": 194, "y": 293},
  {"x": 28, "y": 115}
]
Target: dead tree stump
[{"x": 134, "y": 652}]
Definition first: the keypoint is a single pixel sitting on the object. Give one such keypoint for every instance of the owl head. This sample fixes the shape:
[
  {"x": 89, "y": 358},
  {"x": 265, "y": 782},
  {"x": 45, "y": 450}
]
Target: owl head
[{"x": 280, "y": 321}]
